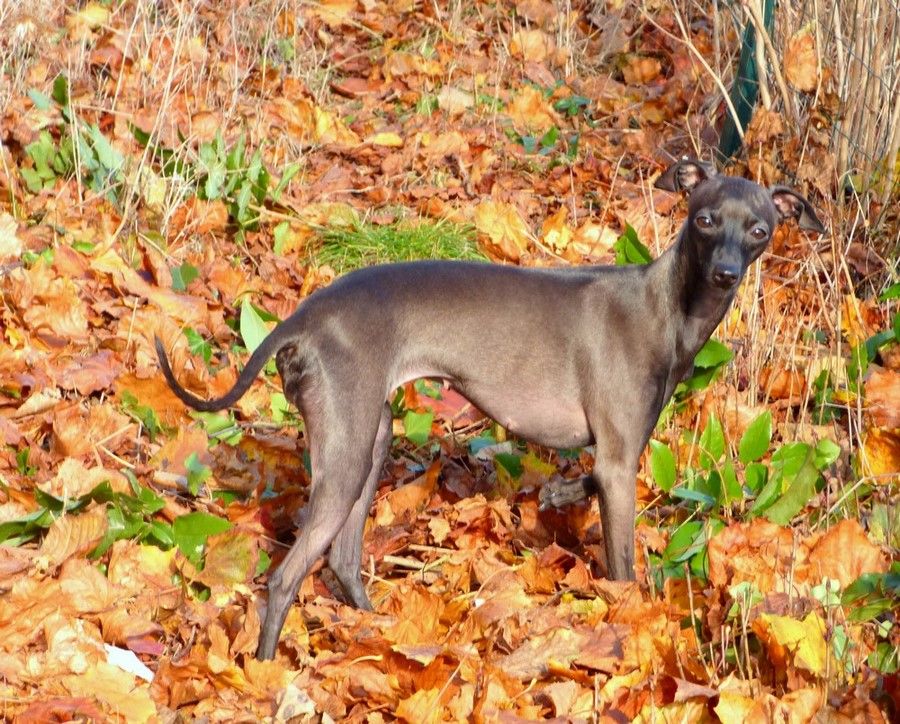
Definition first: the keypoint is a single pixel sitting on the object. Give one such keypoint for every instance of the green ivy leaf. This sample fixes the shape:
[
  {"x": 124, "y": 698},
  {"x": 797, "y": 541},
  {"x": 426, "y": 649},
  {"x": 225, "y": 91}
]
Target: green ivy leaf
[
  {"x": 190, "y": 533},
  {"x": 198, "y": 473},
  {"x": 417, "y": 426},
  {"x": 630, "y": 250},
  {"x": 662, "y": 465},
  {"x": 253, "y": 328},
  {"x": 712, "y": 443},
  {"x": 756, "y": 438}
]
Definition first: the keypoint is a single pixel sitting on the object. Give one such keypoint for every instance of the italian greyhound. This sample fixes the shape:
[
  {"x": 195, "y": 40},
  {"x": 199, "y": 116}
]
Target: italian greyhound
[{"x": 561, "y": 357}]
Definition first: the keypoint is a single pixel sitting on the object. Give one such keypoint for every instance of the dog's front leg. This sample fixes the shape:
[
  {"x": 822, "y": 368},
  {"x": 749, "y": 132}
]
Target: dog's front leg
[{"x": 615, "y": 482}]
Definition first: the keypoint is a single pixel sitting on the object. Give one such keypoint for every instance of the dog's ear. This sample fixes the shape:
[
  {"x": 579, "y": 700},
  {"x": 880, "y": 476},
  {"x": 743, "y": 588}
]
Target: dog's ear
[
  {"x": 790, "y": 204},
  {"x": 685, "y": 174}
]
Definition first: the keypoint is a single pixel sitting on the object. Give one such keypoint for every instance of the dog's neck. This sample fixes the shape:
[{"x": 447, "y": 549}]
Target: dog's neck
[{"x": 699, "y": 304}]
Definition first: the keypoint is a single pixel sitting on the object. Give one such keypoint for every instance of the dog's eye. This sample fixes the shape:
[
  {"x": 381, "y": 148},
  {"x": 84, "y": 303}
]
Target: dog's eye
[
  {"x": 759, "y": 233},
  {"x": 704, "y": 222}
]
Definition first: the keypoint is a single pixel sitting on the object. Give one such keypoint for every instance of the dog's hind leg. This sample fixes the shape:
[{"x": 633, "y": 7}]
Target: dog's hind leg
[
  {"x": 346, "y": 550},
  {"x": 341, "y": 441}
]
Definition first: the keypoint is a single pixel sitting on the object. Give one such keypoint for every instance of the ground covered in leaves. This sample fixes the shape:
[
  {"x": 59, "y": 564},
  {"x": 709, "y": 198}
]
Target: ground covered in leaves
[{"x": 195, "y": 170}]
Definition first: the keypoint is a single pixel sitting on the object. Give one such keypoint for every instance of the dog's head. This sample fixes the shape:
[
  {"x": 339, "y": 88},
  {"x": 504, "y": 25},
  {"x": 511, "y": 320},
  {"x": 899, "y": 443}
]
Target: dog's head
[{"x": 730, "y": 219}]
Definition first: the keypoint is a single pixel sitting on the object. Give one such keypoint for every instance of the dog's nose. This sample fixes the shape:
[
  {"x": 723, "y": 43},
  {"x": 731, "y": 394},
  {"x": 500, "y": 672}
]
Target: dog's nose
[{"x": 725, "y": 277}]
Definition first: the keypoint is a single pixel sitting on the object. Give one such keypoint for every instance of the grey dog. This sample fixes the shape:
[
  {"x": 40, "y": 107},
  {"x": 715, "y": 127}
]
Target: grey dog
[{"x": 561, "y": 357}]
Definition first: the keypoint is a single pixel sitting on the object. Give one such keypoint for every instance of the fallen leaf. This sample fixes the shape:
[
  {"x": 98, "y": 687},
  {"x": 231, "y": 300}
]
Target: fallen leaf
[
  {"x": 454, "y": 100},
  {"x": 231, "y": 559},
  {"x": 640, "y": 69},
  {"x": 844, "y": 553},
  {"x": 880, "y": 455},
  {"x": 758, "y": 552},
  {"x": 530, "y": 111},
  {"x": 71, "y": 535},
  {"x": 792, "y": 642},
  {"x": 555, "y": 232},
  {"x": 388, "y": 139},
  {"x": 504, "y": 228},
  {"x": 74, "y": 479},
  {"x": 533, "y": 45},
  {"x": 423, "y": 707},
  {"x": 10, "y": 244},
  {"x": 800, "y": 62},
  {"x": 883, "y": 398},
  {"x": 118, "y": 691}
]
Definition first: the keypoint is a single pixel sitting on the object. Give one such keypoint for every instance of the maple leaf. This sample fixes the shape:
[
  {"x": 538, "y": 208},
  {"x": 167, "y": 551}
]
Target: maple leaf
[{"x": 801, "y": 62}]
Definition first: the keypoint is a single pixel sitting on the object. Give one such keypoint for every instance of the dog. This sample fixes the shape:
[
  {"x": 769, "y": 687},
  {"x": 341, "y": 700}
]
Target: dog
[{"x": 561, "y": 357}]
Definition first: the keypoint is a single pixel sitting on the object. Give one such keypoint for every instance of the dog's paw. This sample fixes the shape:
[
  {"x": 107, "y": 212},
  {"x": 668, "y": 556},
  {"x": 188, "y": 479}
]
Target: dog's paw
[{"x": 558, "y": 493}]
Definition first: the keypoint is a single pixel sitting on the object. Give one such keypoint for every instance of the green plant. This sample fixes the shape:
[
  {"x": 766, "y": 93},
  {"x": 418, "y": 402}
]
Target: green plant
[
  {"x": 715, "y": 484},
  {"x": 129, "y": 516},
  {"x": 223, "y": 173},
  {"x": 80, "y": 147}
]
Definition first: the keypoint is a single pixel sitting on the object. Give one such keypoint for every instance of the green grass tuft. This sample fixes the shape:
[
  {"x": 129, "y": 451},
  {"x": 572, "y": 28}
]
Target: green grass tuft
[{"x": 364, "y": 244}]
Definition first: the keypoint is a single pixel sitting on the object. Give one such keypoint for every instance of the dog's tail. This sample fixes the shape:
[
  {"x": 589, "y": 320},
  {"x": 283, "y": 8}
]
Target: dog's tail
[{"x": 270, "y": 345}]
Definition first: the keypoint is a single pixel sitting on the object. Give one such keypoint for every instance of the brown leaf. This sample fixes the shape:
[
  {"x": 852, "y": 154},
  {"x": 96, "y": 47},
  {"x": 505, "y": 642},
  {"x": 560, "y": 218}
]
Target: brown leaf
[
  {"x": 800, "y": 65},
  {"x": 86, "y": 587},
  {"x": 639, "y": 70},
  {"x": 87, "y": 375},
  {"x": 74, "y": 479},
  {"x": 759, "y": 552},
  {"x": 844, "y": 553},
  {"x": 73, "y": 535},
  {"x": 883, "y": 398}
]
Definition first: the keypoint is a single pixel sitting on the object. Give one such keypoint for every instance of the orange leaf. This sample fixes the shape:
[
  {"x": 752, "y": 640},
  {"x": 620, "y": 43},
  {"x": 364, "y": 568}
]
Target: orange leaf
[
  {"x": 532, "y": 45},
  {"x": 530, "y": 111},
  {"x": 759, "y": 552},
  {"x": 423, "y": 707},
  {"x": 72, "y": 535},
  {"x": 504, "y": 228},
  {"x": 845, "y": 553},
  {"x": 800, "y": 65},
  {"x": 881, "y": 455},
  {"x": 883, "y": 398},
  {"x": 231, "y": 559},
  {"x": 555, "y": 232}
]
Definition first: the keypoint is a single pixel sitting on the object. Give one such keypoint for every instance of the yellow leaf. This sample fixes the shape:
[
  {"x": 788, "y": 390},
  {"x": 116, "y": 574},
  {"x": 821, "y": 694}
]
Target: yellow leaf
[
  {"x": 91, "y": 16},
  {"x": 533, "y": 463},
  {"x": 333, "y": 12},
  {"x": 555, "y": 232},
  {"x": 388, "y": 138},
  {"x": 801, "y": 641},
  {"x": 423, "y": 707},
  {"x": 502, "y": 225},
  {"x": 333, "y": 130},
  {"x": 734, "y": 707},
  {"x": 117, "y": 690},
  {"x": 800, "y": 65}
]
